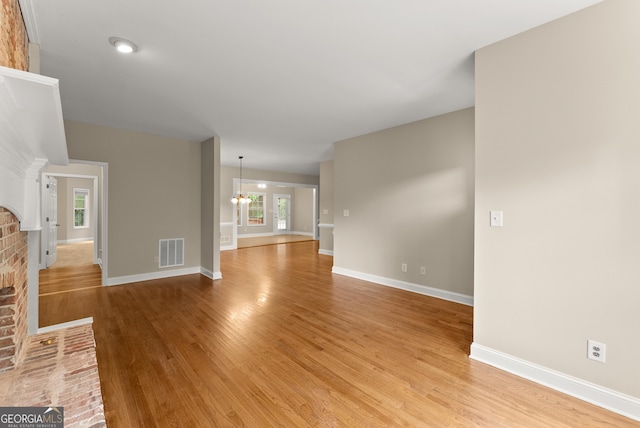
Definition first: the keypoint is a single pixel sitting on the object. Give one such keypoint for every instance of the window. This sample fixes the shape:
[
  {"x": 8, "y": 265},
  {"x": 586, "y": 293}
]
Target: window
[
  {"x": 80, "y": 208},
  {"x": 255, "y": 216},
  {"x": 239, "y": 214}
]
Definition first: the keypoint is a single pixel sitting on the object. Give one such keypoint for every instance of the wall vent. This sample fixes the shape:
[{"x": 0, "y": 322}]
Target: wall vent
[{"x": 171, "y": 252}]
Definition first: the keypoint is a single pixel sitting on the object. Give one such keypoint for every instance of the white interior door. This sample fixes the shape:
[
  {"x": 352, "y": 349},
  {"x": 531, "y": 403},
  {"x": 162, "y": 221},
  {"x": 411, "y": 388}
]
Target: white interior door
[
  {"x": 51, "y": 221},
  {"x": 281, "y": 214}
]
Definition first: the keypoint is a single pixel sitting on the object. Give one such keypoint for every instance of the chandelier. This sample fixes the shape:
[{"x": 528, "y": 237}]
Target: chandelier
[{"x": 240, "y": 197}]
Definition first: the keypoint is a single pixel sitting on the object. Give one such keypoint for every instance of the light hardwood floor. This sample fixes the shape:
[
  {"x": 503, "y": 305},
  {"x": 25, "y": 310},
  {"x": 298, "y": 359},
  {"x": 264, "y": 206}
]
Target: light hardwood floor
[{"x": 280, "y": 341}]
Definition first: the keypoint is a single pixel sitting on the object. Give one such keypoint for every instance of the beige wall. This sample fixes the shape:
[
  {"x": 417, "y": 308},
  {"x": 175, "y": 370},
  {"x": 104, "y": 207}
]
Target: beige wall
[
  {"x": 557, "y": 149},
  {"x": 409, "y": 191},
  {"x": 302, "y": 210},
  {"x": 153, "y": 193}
]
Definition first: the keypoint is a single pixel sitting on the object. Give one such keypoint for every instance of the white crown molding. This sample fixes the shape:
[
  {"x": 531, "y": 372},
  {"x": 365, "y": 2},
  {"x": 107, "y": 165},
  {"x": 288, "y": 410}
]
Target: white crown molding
[
  {"x": 611, "y": 400},
  {"x": 408, "y": 286}
]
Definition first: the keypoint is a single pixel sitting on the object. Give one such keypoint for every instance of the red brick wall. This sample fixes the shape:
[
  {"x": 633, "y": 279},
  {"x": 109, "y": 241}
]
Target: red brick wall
[
  {"x": 14, "y": 42},
  {"x": 13, "y": 289}
]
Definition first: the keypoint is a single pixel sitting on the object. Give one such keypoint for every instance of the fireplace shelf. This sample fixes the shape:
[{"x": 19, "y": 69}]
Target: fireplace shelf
[{"x": 31, "y": 136}]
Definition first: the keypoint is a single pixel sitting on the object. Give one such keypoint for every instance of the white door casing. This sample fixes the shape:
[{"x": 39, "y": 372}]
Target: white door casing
[{"x": 50, "y": 223}]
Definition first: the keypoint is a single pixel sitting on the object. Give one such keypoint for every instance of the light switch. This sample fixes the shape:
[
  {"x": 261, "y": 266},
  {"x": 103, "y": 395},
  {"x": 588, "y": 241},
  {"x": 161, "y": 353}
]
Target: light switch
[
  {"x": 345, "y": 213},
  {"x": 496, "y": 218}
]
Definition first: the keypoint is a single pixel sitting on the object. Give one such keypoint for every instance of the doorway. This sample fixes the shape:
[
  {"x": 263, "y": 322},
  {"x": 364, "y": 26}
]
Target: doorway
[
  {"x": 74, "y": 217},
  {"x": 281, "y": 214}
]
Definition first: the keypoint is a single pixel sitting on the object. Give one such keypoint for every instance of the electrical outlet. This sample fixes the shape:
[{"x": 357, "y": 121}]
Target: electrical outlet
[
  {"x": 596, "y": 351},
  {"x": 423, "y": 270},
  {"x": 403, "y": 267}
]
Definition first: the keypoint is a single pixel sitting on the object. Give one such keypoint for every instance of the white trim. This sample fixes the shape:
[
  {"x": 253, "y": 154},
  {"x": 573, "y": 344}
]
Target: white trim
[
  {"x": 325, "y": 252},
  {"x": 33, "y": 280},
  {"x": 209, "y": 274},
  {"x": 325, "y": 226},
  {"x": 64, "y": 325},
  {"x": 408, "y": 286},
  {"x": 303, "y": 234},
  {"x": 74, "y": 240},
  {"x": 611, "y": 400},
  {"x": 26, "y": 7},
  {"x": 228, "y": 247},
  {"x": 118, "y": 280},
  {"x": 254, "y": 235},
  {"x": 226, "y": 223}
]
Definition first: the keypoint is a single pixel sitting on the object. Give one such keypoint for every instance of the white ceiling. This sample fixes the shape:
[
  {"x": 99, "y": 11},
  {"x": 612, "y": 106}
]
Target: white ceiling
[{"x": 279, "y": 81}]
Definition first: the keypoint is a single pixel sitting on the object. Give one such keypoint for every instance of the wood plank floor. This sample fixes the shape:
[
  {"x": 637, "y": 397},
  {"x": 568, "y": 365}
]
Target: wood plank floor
[
  {"x": 69, "y": 278},
  {"x": 280, "y": 341}
]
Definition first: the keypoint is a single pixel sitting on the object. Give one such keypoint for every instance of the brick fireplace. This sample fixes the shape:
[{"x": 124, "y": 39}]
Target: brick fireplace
[
  {"x": 13, "y": 289},
  {"x": 56, "y": 367}
]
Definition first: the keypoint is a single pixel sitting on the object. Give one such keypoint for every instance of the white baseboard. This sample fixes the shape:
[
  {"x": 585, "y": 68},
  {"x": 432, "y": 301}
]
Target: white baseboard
[
  {"x": 611, "y": 400},
  {"x": 408, "y": 286},
  {"x": 325, "y": 252},
  {"x": 302, "y": 233},
  {"x": 73, "y": 241},
  {"x": 151, "y": 275},
  {"x": 254, "y": 235},
  {"x": 210, "y": 274},
  {"x": 228, "y": 247},
  {"x": 69, "y": 324}
]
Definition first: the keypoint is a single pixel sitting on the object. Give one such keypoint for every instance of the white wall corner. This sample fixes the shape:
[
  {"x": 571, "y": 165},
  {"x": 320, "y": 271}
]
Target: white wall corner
[
  {"x": 611, "y": 400},
  {"x": 325, "y": 252}
]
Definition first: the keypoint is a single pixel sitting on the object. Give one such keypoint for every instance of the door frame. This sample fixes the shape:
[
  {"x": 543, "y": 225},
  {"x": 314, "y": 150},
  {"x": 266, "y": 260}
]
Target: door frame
[
  {"x": 277, "y": 196},
  {"x": 47, "y": 219},
  {"x": 100, "y": 252}
]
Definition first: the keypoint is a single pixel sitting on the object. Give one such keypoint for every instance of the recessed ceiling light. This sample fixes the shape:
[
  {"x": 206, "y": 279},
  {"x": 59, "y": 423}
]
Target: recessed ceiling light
[{"x": 123, "y": 45}]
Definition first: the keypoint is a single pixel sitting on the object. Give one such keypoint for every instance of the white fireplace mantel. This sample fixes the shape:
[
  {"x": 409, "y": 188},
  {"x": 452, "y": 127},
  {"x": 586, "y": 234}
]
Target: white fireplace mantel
[{"x": 31, "y": 137}]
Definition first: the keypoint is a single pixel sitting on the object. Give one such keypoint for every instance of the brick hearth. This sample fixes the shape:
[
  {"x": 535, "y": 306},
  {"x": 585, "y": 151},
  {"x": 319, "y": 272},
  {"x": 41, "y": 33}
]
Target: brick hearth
[{"x": 63, "y": 373}]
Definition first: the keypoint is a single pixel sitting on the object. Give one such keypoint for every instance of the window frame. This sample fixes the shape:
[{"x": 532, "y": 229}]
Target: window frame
[
  {"x": 252, "y": 206},
  {"x": 80, "y": 191}
]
